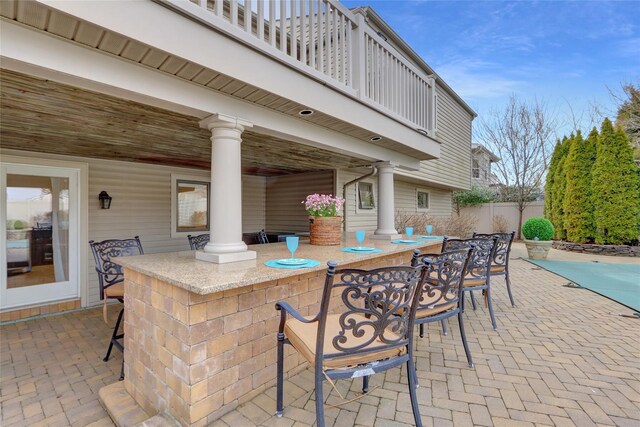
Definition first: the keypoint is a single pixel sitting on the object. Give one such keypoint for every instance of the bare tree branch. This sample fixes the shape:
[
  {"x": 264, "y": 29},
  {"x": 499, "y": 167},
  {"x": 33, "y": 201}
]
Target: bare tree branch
[{"x": 521, "y": 134}]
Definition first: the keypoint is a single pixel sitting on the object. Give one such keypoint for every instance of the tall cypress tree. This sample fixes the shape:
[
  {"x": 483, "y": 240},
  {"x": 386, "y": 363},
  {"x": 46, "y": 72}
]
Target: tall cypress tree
[
  {"x": 578, "y": 202},
  {"x": 615, "y": 188},
  {"x": 559, "y": 189},
  {"x": 548, "y": 187}
]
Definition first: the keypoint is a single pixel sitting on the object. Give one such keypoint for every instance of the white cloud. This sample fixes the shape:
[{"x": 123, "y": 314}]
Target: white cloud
[{"x": 476, "y": 79}]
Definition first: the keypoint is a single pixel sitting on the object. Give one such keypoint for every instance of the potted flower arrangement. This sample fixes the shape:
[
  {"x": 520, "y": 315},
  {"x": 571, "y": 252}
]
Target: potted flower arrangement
[
  {"x": 325, "y": 222},
  {"x": 537, "y": 233}
]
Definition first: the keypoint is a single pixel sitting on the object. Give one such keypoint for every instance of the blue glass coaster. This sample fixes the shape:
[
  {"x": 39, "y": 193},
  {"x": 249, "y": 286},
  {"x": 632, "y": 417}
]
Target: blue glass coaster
[
  {"x": 430, "y": 237},
  {"x": 292, "y": 263},
  {"x": 361, "y": 250},
  {"x": 405, "y": 242}
]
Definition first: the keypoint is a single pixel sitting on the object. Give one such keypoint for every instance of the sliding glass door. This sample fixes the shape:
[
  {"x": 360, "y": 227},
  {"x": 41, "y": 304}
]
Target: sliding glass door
[{"x": 39, "y": 234}]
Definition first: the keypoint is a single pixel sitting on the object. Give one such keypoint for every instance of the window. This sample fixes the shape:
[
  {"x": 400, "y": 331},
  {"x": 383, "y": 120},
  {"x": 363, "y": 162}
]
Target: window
[
  {"x": 365, "y": 195},
  {"x": 190, "y": 205},
  {"x": 475, "y": 169},
  {"x": 423, "y": 200}
]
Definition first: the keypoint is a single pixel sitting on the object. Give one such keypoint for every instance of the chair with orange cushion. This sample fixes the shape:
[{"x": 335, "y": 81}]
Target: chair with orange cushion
[
  {"x": 111, "y": 280},
  {"x": 478, "y": 275},
  {"x": 364, "y": 326},
  {"x": 500, "y": 263},
  {"x": 442, "y": 289}
]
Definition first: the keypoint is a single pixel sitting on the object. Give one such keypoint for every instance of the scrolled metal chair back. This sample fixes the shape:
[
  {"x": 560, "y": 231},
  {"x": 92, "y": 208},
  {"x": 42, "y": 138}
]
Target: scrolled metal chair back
[
  {"x": 444, "y": 273},
  {"x": 198, "y": 242},
  {"x": 481, "y": 255},
  {"x": 262, "y": 237},
  {"x": 110, "y": 273},
  {"x": 375, "y": 309},
  {"x": 503, "y": 246}
]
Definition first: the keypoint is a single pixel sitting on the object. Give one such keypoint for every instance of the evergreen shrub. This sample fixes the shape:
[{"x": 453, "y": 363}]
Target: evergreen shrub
[
  {"x": 537, "y": 228},
  {"x": 615, "y": 188},
  {"x": 578, "y": 201}
]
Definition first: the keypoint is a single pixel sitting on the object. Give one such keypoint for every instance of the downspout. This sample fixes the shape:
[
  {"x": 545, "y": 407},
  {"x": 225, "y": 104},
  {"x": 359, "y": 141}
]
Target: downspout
[{"x": 373, "y": 172}]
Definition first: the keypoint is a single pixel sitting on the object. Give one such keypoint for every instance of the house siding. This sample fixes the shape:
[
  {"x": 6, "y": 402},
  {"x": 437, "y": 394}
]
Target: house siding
[
  {"x": 357, "y": 219},
  {"x": 453, "y": 168},
  {"x": 141, "y": 206},
  {"x": 284, "y": 196},
  {"x": 406, "y": 199}
]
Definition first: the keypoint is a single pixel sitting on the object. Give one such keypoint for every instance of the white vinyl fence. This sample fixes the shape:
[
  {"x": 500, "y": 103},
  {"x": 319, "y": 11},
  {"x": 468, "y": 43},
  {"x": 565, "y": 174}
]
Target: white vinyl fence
[{"x": 487, "y": 215}]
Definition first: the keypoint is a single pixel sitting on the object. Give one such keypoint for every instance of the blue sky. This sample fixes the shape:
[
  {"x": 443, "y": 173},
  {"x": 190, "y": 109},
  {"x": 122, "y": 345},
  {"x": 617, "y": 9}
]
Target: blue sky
[{"x": 563, "y": 53}]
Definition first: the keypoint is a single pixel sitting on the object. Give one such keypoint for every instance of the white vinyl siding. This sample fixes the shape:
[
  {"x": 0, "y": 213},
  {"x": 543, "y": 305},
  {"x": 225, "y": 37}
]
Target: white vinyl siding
[
  {"x": 406, "y": 200},
  {"x": 453, "y": 168},
  {"x": 355, "y": 218},
  {"x": 141, "y": 206},
  {"x": 284, "y": 196}
]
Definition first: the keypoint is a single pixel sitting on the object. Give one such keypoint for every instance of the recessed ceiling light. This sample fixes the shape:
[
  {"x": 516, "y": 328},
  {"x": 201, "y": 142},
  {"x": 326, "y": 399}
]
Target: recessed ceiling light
[
  {"x": 306, "y": 112},
  {"x": 375, "y": 138}
]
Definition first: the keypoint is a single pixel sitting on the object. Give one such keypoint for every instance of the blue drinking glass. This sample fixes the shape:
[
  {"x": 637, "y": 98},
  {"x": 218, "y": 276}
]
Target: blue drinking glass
[
  {"x": 429, "y": 229},
  {"x": 360, "y": 237},
  {"x": 409, "y": 231},
  {"x": 292, "y": 244}
]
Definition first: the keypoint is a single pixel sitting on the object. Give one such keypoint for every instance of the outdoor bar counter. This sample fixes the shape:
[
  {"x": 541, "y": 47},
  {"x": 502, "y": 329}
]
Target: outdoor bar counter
[{"x": 200, "y": 338}]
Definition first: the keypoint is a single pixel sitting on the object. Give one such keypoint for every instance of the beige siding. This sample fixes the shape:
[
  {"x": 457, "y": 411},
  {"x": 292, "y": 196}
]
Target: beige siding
[
  {"x": 453, "y": 168},
  {"x": 356, "y": 219},
  {"x": 142, "y": 206},
  {"x": 254, "y": 203},
  {"x": 406, "y": 199},
  {"x": 284, "y": 196}
]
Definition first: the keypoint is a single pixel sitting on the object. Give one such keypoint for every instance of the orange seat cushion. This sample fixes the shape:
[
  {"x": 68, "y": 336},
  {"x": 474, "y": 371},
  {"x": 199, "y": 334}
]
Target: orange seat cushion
[
  {"x": 114, "y": 291},
  {"x": 469, "y": 280},
  {"x": 497, "y": 268},
  {"x": 430, "y": 310},
  {"x": 303, "y": 337}
]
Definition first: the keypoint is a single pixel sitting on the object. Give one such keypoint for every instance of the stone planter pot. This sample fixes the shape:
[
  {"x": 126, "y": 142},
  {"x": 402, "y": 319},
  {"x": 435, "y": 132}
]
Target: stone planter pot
[
  {"x": 538, "y": 249},
  {"x": 325, "y": 231}
]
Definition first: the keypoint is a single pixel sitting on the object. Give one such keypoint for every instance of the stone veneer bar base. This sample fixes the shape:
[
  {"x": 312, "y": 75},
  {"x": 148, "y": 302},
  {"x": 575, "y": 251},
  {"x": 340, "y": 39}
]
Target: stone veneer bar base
[{"x": 196, "y": 357}]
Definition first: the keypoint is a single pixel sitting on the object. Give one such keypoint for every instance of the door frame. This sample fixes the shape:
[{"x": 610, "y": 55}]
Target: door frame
[{"x": 83, "y": 212}]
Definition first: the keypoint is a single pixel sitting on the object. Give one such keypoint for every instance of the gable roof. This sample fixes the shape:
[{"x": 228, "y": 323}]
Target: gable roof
[{"x": 479, "y": 148}]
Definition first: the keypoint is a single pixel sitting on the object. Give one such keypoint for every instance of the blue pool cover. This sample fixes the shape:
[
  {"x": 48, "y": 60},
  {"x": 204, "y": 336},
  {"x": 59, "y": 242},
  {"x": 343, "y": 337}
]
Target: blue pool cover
[{"x": 619, "y": 282}]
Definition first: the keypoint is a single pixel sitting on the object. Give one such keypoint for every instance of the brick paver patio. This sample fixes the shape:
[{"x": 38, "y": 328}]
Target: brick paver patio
[{"x": 562, "y": 357}]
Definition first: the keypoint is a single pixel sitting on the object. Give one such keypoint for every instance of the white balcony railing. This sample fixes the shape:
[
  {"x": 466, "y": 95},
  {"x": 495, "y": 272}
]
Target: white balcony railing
[{"x": 330, "y": 43}]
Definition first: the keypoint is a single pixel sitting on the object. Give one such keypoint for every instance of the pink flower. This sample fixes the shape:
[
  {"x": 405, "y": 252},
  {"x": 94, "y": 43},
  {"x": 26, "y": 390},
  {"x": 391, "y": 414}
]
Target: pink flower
[{"x": 323, "y": 204}]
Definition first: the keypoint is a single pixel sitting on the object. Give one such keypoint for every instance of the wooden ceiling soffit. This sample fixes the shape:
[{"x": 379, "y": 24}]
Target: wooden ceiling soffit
[{"x": 49, "y": 117}]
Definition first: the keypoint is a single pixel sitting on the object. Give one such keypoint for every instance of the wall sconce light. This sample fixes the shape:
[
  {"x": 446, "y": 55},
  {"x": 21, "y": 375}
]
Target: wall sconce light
[{"x": 105, "y": 200}]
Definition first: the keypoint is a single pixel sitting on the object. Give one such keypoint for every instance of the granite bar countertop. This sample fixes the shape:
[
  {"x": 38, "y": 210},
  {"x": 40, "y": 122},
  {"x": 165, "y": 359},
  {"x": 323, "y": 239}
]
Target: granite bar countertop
[{"x": 183, "y": 270}]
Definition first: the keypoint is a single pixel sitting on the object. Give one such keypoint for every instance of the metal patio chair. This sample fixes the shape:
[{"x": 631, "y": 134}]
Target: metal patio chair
[
  {"x": 442, "y": 289},
  {"x": 111, "y": 280},
  {"x": 370, "y": 332},
  {"x": 262, "y": 237},
  {"x": 477, "y": 277},
  {"x": 198, "y": 242},
  {"x": 500, "y": 263}
]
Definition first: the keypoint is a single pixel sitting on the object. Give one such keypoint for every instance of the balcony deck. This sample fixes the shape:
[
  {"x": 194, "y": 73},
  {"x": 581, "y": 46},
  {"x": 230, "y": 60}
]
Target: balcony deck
[{"x": 562, "y": 357}]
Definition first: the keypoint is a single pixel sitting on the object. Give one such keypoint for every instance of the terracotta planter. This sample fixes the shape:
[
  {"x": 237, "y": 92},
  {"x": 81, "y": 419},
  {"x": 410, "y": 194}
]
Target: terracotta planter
[
  {"x": 538, "y": 249},
  {"x": 325, "y": 231}
]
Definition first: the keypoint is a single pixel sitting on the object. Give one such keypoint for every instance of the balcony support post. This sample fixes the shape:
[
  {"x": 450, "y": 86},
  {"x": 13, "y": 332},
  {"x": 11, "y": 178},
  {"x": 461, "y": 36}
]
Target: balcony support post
[
  {"x": 386, "y": 209},
  {"x": 225, "y": 241}
]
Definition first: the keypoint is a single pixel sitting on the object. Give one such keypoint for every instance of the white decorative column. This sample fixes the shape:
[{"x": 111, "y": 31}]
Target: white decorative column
[
  {"x": 225, "y": 241},
  {"x": 386, "y": 208}
]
